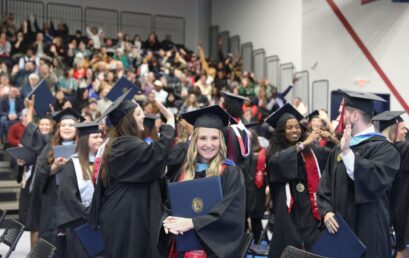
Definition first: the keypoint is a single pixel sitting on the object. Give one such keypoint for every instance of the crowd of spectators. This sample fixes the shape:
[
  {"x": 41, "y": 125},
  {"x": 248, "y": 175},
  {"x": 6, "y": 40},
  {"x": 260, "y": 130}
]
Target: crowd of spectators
[{"x": 81, "y": 68}]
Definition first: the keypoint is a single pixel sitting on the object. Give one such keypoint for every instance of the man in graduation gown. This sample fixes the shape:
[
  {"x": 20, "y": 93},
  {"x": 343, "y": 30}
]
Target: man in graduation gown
[
  {"x": 238, "y": 142},
  {"x": 358, "y": 177}
]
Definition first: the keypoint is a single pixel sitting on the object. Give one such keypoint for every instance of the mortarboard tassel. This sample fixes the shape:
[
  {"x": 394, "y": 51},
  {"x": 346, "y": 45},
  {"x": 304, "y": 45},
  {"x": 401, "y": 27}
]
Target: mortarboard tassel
[{"x": 341, "y": 125}]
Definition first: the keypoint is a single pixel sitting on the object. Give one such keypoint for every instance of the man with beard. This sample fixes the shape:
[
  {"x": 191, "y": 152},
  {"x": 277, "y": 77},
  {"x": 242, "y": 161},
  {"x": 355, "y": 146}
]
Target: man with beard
[{"x": 359, "y": 176}]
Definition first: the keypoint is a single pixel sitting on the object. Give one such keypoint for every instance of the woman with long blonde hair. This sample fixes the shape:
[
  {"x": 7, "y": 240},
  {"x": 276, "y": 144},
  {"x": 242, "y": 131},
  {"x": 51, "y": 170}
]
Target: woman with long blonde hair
[{"x": 222, "y": 229}]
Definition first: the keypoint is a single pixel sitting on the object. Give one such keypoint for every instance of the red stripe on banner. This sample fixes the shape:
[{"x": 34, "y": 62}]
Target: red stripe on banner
[{"x": 366, "y": 52}]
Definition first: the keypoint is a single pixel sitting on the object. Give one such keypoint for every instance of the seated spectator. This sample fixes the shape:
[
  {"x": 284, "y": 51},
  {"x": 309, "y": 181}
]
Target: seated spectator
[
  {"x": 4, "y": 84},
  {"x": 160, "y": 93},
  {"x": 67, "y": 83},
  {"x": 5, "y": 46},
  {"x": 300, "y": 106},
  {"x": 190, "y": 104},
  {"x": 49, "y": 76},
  {"x": 10, "y": 109},
  {"x": 16, "y": 131},
  {"x": 33, "y": 80},
  {"x": 204, "y": 86},
  {"x": 95, "y": 35}
]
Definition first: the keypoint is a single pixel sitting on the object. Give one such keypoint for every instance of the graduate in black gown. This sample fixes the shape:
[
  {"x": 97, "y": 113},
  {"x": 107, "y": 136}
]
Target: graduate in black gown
[
  {"x": 220, "y": 231},
  {"x": 359, "y": 175},
  {"x": 128, "y": 198},
  {"x": 257, "y": 189},
  {"x": 76, "y": 188},
  {"x": 294, "y": 169},
  {"x": 392, "y": 126},
  {"x": 237, "y": 137},
  {"x": 47, "y": 177},
  {"x": 34, "y": 138}
]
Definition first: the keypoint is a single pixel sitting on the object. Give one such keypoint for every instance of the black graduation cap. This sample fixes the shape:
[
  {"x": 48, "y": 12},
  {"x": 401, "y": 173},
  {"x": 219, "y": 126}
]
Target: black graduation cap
[
  {"x": 209, "y": 117},
  {"x": 234, "y": 99},
  {"x": 149, "y": 121},
  {"x": 119, "y": 108},
  {"x": 313, "y": 114},
  {"x": 361, "y": 100},
  {"x": 67, "y": 113},
  {"x": 87, "y": 128},
  {"x": 283, "y": 114},
  {"x": 43, "y": 98},
  {"x": 120, "y": 87},
  {"x": 388, "y": 118}
]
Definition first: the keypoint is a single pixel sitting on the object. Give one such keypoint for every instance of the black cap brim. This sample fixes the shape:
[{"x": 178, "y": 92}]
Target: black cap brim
[
  {"x": 388, "y": 118},
  {"x": 87, "y": 128},
  {"x": 284, "y": 113},
  {"x": 68, "y": 113},
  {"x": 119, "y": 108},
  {"x": 209, "y": 117}
]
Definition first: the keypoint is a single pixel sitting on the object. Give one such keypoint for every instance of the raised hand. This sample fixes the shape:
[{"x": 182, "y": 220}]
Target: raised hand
[{"x": 346, "y": 139}]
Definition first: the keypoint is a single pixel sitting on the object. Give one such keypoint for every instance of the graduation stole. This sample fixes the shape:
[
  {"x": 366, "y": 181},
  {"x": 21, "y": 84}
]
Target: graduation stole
[
  {"x": 86, "y": 187},
  {"x": 313, "y": 180},
  {"x": 244, "y": 144},
  {"x": 97, "y": 163},
  {"x": 260, "y": 168}
]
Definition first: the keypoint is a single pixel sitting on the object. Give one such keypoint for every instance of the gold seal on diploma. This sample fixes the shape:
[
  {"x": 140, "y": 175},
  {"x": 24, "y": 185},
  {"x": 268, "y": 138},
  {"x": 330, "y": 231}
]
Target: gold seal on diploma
[
  {"x": 300, "y": 187},
  {"x": 124, "y": 89},
  {"x": 197, "y": 205}
]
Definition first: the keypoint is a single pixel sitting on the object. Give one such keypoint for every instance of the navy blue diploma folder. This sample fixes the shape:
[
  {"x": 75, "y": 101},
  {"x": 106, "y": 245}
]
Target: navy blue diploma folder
[
  {"x": 43, "y": 98},
  {"x": 22, "y": 153},
  {"x": 64, "y": 151},
  {"x": 342, "y": 244},
  {"x": 191, "y": 199},
  {"x": 91, "y": 240}
]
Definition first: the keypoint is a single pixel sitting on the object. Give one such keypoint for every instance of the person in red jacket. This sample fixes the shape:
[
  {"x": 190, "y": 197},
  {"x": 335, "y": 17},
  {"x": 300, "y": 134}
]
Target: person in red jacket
[{"x": 17, "y": 129}]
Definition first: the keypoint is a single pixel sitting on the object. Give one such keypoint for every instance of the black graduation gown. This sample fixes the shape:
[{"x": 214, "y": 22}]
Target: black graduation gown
[
  {"x": 129, "y": 210},
  {"x": 363, "y": 203},
  {"x": 176, "y": 158},
  {"x": 400, "y": 198},
  {"x": 71, "y": 213},
  {"x": 242, "y": 162},
  {"x": 220, "y": 232},
  {"x": 30, "y": 202},
  {"x": 298, "y": 228},
  {"x": 46, "y": 188}
]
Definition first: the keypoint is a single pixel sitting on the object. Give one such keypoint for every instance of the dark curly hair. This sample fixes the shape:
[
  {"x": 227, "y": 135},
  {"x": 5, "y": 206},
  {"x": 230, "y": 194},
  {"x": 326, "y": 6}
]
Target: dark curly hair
[{"x": 278, "y": 141}]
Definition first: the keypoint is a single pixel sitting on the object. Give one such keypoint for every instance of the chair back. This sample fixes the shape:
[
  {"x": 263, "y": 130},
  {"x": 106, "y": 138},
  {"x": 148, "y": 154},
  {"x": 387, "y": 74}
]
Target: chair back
[
  {"x": 12, "y": 233},
  {"x": 42, "y": 249},
  {"x": 2, "y": 215},
  {"x": 292, "y": 252},
  {"x": 245, "y": 244}
]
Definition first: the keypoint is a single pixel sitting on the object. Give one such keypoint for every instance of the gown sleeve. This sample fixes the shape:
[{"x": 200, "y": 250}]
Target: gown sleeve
[
  {"x": 324, "y": 196},
  {"x": 134, "y": 161},
  {"x": 221, "y": 230},
  {"x": 372, "y": 177},
  {"x": 283, "y": 165}
]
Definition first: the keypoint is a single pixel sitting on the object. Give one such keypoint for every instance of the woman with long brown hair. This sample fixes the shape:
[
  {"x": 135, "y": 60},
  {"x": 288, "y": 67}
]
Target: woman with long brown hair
[
  {"x": 76, "y": 187},
  {"x": 128, "y": 204},
  {"x": 222, "y": 229},
  {"x": 47, "y": 175}
]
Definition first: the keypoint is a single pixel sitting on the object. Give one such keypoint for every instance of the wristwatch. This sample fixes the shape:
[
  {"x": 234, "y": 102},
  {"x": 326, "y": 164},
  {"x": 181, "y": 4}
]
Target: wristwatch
[{"x": 300, "y": 145}]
